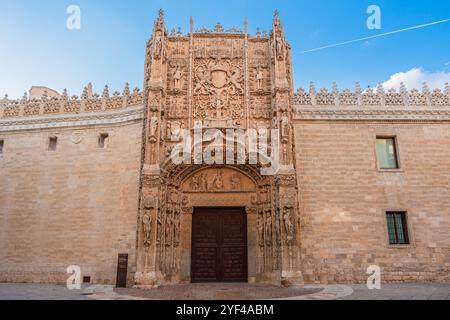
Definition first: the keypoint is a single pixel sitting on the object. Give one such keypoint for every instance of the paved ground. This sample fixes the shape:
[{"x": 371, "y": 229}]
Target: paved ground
[
  {"x": 405, "y": 291},
  {"x": 418, "y": 291},
  {"x": 218, "y": 292},
  {"x": 38, "y": 292}
]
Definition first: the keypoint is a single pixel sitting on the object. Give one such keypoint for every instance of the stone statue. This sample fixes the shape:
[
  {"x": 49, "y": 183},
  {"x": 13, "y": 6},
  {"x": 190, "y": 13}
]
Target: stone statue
[
  {"x": 177, "y": 79},
  {"x": 268, "y": 227},
  {"x": 157, "y": 46},
  {"x": 288, "y": 225},
  {"x": 147, "y": 223},
  {"x": 154, "y": 122},
  {"x": 259, "y": 79},
  {"x": 168, "y": 228},
  {"x": 261, "y": 229}
]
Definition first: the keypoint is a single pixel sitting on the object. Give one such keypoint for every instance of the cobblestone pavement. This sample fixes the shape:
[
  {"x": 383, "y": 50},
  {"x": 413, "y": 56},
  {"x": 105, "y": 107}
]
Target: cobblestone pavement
[{"x": 411, "y": 291}]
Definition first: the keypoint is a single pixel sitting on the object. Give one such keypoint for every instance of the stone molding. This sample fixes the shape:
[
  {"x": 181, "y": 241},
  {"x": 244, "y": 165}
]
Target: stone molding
[
  {"x": 373, "y": 104},
  {"x": 371, "y": 115},
  {"x": 78, "y": 120}
]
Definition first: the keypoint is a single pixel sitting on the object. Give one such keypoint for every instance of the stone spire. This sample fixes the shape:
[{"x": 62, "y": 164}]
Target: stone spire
[
  {"x": 105, "y": 92},
  {"x": 159, "y": 24},
  {"x": 447, "y": 89},
  {"x": 277, "y": 25},
  {"x": 126, "y": 90}
]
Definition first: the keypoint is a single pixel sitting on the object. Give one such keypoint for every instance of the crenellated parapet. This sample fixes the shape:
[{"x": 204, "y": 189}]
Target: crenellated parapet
[
  {"x": 378, "y": 104},
  {"x": 89, "y": 102}
]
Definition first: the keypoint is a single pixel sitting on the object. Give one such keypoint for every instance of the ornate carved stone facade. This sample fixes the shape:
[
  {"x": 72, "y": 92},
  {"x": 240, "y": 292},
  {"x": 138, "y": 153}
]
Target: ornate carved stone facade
[
  {"x": 299, "y": 221},
  {"x": 226, "y": 80}
]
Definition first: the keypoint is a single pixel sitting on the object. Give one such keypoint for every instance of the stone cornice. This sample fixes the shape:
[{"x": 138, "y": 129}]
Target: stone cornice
[
  {"x": 372, "y": 114},
  {"x": 73, "y": 120}
]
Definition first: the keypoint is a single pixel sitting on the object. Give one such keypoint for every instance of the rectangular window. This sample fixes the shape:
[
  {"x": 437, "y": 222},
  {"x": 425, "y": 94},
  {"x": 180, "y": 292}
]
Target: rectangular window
[
  {"x": 52, "y": 142},
  {"x": 103, "y": 141},
  {"x": 387, "y": 153},
  {"x": 397, "y": 228},
  {"x": 2, "y": 143}
]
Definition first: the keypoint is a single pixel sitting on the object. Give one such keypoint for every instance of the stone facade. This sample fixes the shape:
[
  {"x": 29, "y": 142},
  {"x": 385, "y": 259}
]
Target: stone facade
[{"x": 320, "y": 219}]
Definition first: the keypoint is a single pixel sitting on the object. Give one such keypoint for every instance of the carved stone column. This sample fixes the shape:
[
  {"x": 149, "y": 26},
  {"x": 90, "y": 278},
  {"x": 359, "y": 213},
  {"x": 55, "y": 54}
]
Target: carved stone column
[
  {"x": 286, "y": 193},
  {"x": 150, "y": 203}
]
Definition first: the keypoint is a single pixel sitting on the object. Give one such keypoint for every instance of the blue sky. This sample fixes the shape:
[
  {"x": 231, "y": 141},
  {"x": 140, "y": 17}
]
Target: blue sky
[{"x": 36, "y": 48}]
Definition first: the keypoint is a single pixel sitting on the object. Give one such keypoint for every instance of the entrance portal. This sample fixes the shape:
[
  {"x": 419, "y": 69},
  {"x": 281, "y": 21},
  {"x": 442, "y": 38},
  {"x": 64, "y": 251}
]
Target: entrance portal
[{"x": 219, "y": 245}]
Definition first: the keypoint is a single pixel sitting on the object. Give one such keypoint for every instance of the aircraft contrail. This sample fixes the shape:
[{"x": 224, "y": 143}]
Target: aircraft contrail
[{"x": 378, "y": 35}]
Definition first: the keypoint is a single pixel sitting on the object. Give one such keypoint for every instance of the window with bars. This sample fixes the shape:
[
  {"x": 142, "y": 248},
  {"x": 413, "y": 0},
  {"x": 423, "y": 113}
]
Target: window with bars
[{"x": 397, "y": 228}]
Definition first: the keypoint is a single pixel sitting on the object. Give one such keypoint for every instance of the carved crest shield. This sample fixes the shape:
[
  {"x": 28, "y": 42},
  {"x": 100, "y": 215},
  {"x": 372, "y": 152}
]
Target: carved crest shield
[{"x": 219, "y": 78}]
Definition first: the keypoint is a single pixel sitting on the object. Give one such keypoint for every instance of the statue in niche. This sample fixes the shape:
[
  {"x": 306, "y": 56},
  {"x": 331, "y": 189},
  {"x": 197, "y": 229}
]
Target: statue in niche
[
  {"x": 279, "y": 45},
  {"x": 160, "y": 228},
  {"x": 259, "y": 79},
  {"x": 154, "y": 122},
  {"x": 235, "y": 182},
  {"x": 268, "y": 227},
  {"x": 147, "y": 224},
  {"x": 285, "y": 129},
  {"x": 157, "y": 45},
  {"x": 261, "y": 228},
  {"x": 176, "y": 228},
  {"x": 288, "y": 225},
  {"x": 177, "y": 79},
  {"x": 168, "y": 227}
]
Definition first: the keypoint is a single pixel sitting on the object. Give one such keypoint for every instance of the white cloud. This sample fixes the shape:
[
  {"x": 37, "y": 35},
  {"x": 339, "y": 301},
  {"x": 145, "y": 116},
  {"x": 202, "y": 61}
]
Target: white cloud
[{"x": 414, "y": 79}]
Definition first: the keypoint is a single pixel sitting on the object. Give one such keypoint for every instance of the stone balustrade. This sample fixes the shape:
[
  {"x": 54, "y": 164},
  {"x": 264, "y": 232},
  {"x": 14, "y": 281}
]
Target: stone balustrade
[{"x": 89, "y": 102}]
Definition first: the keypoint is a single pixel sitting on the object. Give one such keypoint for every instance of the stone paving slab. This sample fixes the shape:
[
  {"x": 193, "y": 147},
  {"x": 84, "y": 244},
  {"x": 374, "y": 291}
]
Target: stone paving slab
[
  {"x": 15, "y": 291},
  {"x": 219, "y": 292},
  {"x": 405, "y": 291}
]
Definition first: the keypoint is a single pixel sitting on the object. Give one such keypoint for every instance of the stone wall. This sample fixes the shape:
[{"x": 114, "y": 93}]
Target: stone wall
[
  {"x": 75, "y": 206},
  {"x": 344, "y": 198}
]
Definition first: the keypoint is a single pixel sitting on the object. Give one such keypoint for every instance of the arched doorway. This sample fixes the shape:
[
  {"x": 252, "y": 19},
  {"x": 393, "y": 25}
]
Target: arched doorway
[{"x": 181, "y": 190}]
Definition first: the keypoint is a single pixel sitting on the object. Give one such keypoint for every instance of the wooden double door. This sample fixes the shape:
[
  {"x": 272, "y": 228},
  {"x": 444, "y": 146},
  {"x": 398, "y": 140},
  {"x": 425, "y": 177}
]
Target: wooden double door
[{"x": 219, "y": 245}]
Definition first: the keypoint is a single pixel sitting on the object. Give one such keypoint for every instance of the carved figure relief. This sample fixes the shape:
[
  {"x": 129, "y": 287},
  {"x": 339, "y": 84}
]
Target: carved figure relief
[
  {"x": 218, "y": 180},
  {"x": 217, "y": 183},
  {"x": 235, "y": 182}
]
